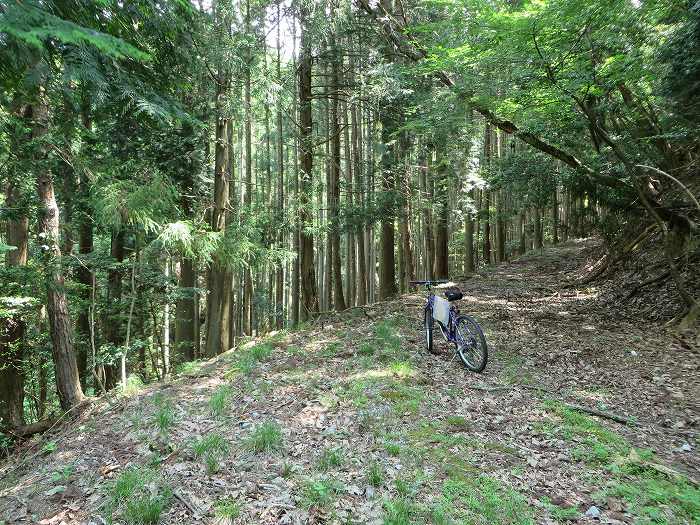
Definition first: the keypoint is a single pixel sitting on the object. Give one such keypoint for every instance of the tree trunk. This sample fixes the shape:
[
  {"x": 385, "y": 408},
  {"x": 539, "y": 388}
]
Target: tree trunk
[
  {"x": 307, "y": 277},
  {"x": 334, "y": 189},
  {"x": 279, "y": 275},
  {"x": 538, "y": 229},
  {"x": 85, "y": 274},
  {"x": 487, "y": 196},
  {"x": 555, "y": 217},
  {"x": 185, "y": 311},
  {"x": 70, "y": 393},
  {"x": 441, "y": 236},
  {"x": 427, "y": 203},
  {"x": 469, "y": 239},
  {"x": 113, "y": 324},
  {"x": 218, "y": 304},
  {"x": 12, "y": 328}
]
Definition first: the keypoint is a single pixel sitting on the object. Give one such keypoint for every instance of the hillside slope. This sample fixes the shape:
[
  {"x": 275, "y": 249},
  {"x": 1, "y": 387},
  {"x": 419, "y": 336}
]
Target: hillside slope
[{"x": 350, "y": 421}]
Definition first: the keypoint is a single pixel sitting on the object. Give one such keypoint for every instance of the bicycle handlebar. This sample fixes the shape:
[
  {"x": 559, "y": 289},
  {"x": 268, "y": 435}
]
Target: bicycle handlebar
[{"x": 430, "y": 283}]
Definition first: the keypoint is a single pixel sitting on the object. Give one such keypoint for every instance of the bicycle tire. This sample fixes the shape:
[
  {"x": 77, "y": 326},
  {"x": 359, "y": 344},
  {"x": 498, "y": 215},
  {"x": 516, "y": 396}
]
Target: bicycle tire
[
  {"x": 428, "y": 329},
  {"x": 476, "y": 344}
]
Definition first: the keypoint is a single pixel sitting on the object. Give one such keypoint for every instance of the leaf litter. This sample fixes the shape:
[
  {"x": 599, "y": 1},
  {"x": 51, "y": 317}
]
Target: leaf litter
[{"x": 361, "y": 425}]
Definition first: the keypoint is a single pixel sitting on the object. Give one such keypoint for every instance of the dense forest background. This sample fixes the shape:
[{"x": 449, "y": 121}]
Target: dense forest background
[{"x": 177, "y": 175}]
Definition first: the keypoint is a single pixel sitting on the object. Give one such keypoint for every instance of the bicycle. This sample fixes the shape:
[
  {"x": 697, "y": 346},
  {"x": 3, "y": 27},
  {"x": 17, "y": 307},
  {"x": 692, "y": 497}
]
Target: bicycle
[{"x": 461, "y": 330}]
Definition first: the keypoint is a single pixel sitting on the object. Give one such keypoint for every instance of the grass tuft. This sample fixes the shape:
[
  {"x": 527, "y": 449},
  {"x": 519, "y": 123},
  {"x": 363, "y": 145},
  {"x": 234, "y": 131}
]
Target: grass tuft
[
  {"x": 266, "y": 437},
  {"x": 228, "y": 508},
  {"x": 164, "y": 416},
  {"x": 330, "y": 458},
  {"x": 212, "y": 449},
  {"x": 320, "y": 492},
  {"x": 146, "y": 509},
  {"x": 375, "y": 475},
  {"x": 219, "y": 401}
]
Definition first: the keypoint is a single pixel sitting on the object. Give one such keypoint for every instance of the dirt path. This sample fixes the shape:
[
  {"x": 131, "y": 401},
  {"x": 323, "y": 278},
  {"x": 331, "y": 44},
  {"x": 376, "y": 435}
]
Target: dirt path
[{"x": 350, "y": 421}]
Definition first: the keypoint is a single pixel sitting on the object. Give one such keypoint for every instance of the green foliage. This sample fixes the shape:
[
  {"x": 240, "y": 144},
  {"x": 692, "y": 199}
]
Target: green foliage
[
  {"x": 266, "y": 437},
  {"x": 458, "y": 423},
  {"x": 599, "y": 444},
  {"x": 49, "y": 447},
  {"x": 33, "y": 24}
]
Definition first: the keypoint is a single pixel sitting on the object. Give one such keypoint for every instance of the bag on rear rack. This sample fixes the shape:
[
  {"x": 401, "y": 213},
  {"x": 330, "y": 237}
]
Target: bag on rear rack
[{"x": 441, "y": 310}]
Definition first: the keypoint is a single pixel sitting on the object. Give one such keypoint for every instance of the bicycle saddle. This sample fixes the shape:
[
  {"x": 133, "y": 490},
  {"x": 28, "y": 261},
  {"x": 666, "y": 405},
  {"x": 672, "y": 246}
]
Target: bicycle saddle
[{"x": 453, "y": 295}]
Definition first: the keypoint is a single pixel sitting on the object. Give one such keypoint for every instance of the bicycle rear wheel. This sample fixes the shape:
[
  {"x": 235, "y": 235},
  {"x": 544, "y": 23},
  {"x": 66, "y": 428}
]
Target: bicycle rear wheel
[
  {"x": 471, "y": 343},
  {"x": 428, "y": 328}
]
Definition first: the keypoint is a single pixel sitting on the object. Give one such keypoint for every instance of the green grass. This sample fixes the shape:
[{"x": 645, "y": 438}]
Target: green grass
[
  {"x": 651, "y": 493},
  {"x": 482, "y": 500},
  {"x": 402, "y": 369},
  {"x": 140, "y": 496},
  {"x": 597, "y": 443},
  {"x": 49, "y": 447},
  {"x": 212, "y": 449},
  {"x": 266, "y": 437},
  {"x": 320, "y": 492},
  {"x": 457, "y": 423},
  {"x": 247, "y": 360},
  {"x": 406, "y": 399},
  {"x": 227, "y": 508},
  {"x": 130, "y": 482},
  {"x": 393, "y": 449},
  {"x": 164, "y": 416},
  {"x": 219, "y": 401},
  {"x": 387, "y": 340},
  {"x": 560, "y": 513},
  {"x": 134, "y": 385},
  {"x": 332, "y": 349},
  {"x": 400, "y": 511},
  {"x": 63, "y": 474},
  {"x": 146, "y": 509},
  {"x": 189, "y": 368},
  {"x": 330, "y": 458},
  {"x": 287, "y": 470},
  {"x": 366, "y": 349},
  {"x": 375, "y": 475}
]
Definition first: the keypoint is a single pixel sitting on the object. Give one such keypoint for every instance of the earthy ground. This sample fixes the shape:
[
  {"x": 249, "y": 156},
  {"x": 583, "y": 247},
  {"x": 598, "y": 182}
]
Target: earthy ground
[{"x": 372, "y": 429}]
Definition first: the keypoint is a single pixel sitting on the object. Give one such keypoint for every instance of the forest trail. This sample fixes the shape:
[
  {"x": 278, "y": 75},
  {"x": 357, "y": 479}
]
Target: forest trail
[{"x": 374, "y": 430}]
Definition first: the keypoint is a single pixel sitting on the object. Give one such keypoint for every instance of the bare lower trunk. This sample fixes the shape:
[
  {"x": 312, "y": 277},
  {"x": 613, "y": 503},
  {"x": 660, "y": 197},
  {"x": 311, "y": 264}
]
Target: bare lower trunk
[
  {"x": 70, "y": 393},
  {"x": 185, "y": 312}
]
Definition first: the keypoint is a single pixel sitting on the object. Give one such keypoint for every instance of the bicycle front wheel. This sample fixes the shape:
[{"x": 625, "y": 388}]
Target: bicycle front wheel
[{"x": 471, "y": 343}]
